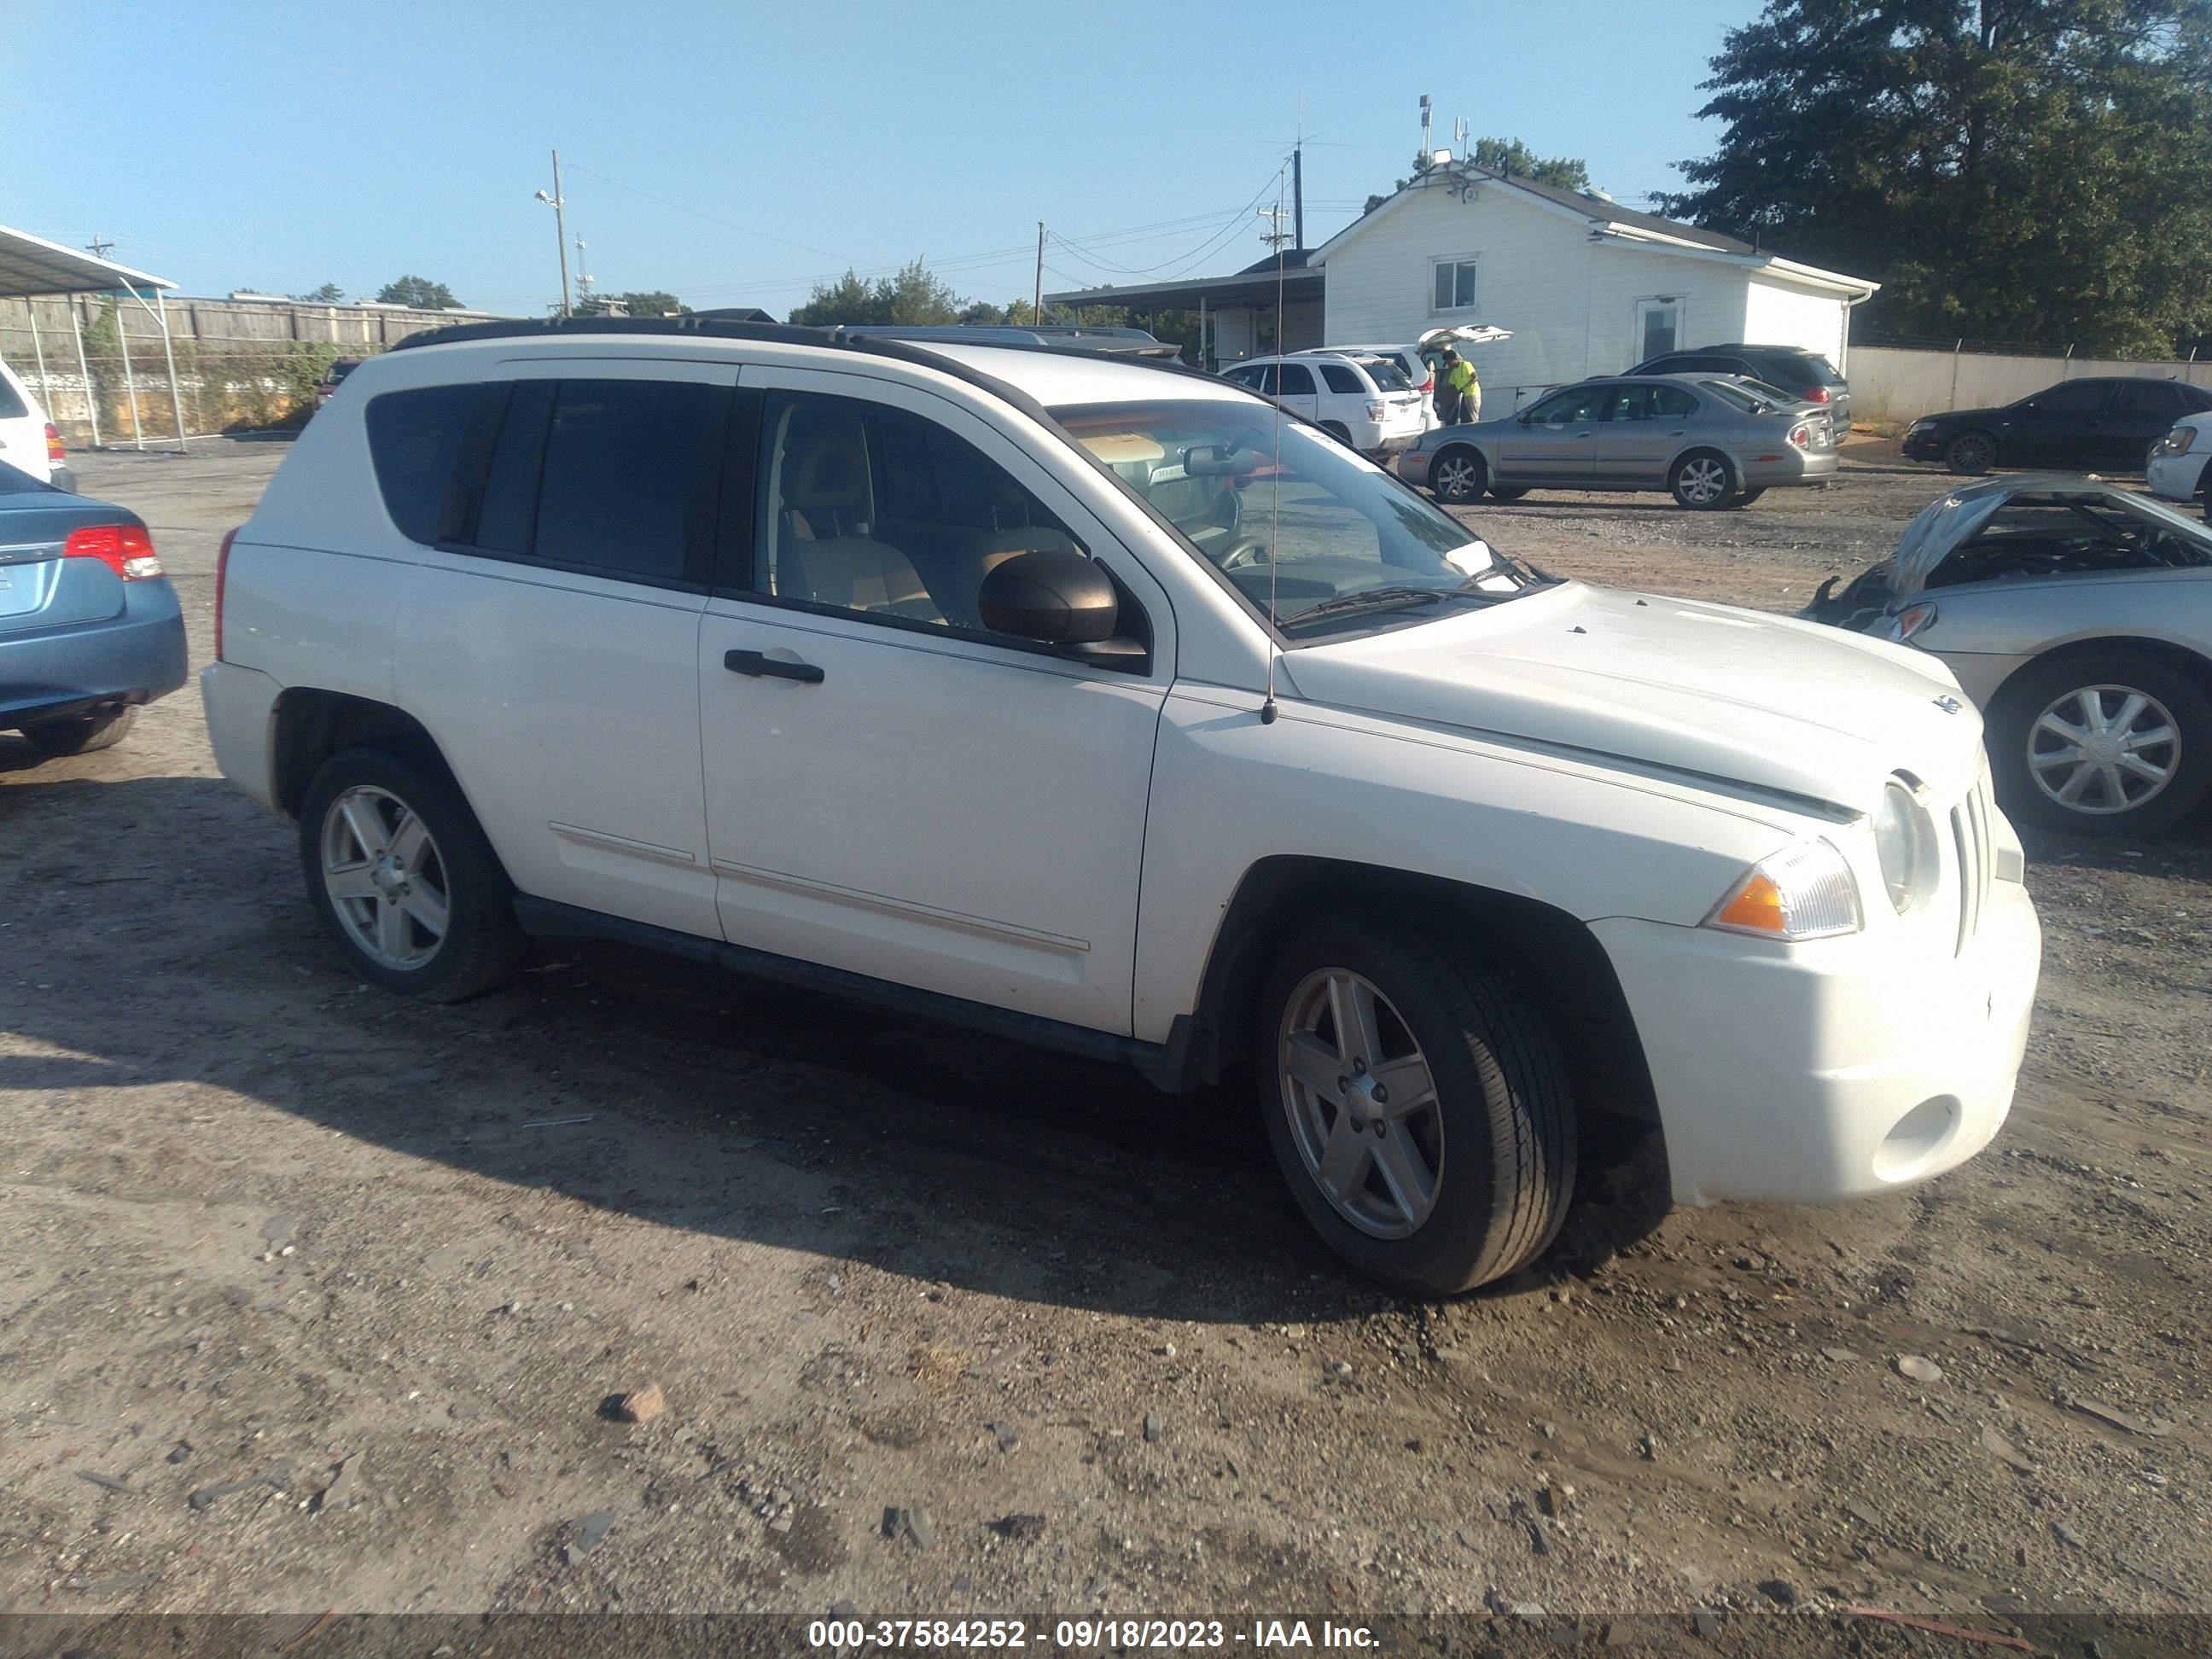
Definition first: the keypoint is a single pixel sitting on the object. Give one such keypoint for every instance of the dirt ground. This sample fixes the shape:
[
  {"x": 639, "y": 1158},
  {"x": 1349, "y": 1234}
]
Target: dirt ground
[{"x": 310, "y": 1299}]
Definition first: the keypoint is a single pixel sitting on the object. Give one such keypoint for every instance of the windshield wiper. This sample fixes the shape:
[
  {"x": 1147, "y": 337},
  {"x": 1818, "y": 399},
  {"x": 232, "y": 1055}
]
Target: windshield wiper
[{"x": 1392, "y": 598}]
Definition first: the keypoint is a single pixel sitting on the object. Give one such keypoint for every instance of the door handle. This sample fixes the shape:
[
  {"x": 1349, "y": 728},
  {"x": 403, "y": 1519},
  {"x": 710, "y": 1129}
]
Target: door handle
[
  {"x": 1678, "y": 432},
  {"x": 754, "y": 664}
]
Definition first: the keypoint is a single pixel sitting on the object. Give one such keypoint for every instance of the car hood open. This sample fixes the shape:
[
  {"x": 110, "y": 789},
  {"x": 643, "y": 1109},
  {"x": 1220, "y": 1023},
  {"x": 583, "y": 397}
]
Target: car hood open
[{"x": 1710, "y": 690}]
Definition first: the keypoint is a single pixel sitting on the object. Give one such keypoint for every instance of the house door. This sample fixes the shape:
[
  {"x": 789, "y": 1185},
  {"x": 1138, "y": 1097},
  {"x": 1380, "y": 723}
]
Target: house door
[{"x": 1658, "y": 328}]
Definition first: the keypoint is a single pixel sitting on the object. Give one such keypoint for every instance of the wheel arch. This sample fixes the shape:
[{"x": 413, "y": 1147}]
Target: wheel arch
[
  {"x": 1543, "y": 950},
  {"x": 310, "y": 725},
  {"x": 2181, "y": 659}
]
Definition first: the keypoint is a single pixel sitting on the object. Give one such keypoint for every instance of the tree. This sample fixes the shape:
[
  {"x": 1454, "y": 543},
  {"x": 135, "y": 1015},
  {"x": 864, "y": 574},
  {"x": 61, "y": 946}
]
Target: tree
[
  {"x": 417, "y": 291},
  {"x": 330, "y": 294},
  {"x": 651, "y": 303},
  {"x": 2030, "y": 171},
  {"x": 1512, "y": 158},
  {"x": 913, "y": 296}
]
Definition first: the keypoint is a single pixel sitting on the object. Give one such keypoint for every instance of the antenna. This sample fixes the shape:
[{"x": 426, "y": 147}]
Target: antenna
[
  {"x": 1267, "y": 709},
  {"x": 1425, "y": 124}
]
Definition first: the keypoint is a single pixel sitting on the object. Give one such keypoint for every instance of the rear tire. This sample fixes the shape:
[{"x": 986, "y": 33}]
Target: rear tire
[
  {"x": 1464, "y": 1177},
  {"x": 1458, "y": 475},
  {"x": 82, "y": 734},
  {"x": 405, "y": 880},
  {"x": 1338, "y": 430},
  {"x": 1746, "y": 497},
  {"x": 1703, "y": 481},
  {"x": 2030, "y": 720},
  {"x": 1971, "y": 451}
]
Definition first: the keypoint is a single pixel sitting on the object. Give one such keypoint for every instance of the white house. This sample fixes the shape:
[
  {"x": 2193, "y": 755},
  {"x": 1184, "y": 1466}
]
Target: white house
[{"x": 1586, "y": 286}]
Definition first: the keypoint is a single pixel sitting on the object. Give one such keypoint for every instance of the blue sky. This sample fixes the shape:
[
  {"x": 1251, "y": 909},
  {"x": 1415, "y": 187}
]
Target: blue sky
[{"x": 736, "y": 154}]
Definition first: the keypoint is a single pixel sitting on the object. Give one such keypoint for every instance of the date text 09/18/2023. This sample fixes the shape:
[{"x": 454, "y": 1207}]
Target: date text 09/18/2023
[{"x": 1260, "y": 1635}]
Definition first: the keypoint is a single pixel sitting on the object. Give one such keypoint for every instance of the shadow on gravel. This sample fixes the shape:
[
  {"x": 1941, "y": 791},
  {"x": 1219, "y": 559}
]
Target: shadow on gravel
[{"x": 173, "y": 944}]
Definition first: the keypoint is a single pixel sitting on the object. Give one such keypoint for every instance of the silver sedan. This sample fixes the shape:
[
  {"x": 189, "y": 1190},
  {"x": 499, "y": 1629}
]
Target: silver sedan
[
  {"x": 1711, "y": 441},
  {"x": 2078, "y": 615}
]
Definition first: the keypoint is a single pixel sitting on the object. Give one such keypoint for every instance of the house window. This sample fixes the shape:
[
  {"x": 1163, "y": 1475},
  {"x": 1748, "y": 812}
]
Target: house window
[{"x": 1454, "y": 285}]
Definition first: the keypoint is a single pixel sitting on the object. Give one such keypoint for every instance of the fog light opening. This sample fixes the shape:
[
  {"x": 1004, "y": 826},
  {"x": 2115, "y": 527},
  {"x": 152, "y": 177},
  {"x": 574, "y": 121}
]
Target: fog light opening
[{"x": 1916, "y": 1137}]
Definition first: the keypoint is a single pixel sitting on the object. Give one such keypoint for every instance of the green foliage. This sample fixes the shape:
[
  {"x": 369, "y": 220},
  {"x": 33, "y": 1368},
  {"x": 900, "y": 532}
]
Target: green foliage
[
  {"x": 651, "y": 303},
  {"x": 417, "y": 291},
  {"x": 2029, "y": 170},
  {"x": 913, "y": 296},
  {"x": 330, "y": 294},
  {"x": 1514, "y": 159}
]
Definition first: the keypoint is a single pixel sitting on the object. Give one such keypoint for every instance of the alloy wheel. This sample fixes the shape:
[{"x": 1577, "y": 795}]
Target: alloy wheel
[
  {"x": 2104, "y": 748},
  {"x": 1361, "y": 1104},
  {"x": 384, "y": 876},
  {"x": 1459, "y": 478},
  {"x": 1702, "y": 481}
]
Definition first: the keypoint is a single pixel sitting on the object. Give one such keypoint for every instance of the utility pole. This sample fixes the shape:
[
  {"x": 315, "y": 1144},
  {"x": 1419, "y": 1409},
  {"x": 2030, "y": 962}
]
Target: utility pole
[
  {"x": 97, "y": 248},
  {"x": 1036, "y": 303},
  {"x": 560, "y": 228},
  {"x": 1274, "y": 236}
]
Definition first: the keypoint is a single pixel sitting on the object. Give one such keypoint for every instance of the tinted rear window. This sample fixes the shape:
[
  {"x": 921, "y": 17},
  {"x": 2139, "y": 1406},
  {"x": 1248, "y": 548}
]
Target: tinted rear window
[
  {"x": 1340, "y": 378},
  {"x": 12, "y": 406},
  {"x": 413, "y": 437},
  {"x": 1385, "y": 373},
  {"x": 1799, "y": 369},
  {"x": 626, "y": 464}
]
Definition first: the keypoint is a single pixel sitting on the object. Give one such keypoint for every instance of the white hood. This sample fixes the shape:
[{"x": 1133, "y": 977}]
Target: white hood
[{"x": 1739, "y": 695}]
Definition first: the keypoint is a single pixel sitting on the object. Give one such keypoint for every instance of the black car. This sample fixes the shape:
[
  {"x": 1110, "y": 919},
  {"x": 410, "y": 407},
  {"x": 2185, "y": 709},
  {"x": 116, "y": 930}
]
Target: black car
[
  {"x": 2074, "y": 425},
  {"x": 1806, "y": 373}
]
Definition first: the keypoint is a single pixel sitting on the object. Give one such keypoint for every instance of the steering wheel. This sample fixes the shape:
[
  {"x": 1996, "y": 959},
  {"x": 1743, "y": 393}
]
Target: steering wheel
[{"x": 1245, "y": 552}]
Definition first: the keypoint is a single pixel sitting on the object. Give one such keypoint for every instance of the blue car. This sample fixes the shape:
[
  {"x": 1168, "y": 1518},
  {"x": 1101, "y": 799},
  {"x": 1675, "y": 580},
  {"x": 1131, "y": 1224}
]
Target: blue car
[{"x": 89, "y": 627}]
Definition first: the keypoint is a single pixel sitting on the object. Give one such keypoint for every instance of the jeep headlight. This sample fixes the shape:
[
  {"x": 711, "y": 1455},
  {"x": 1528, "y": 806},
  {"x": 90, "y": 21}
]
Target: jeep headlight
[
  {"x": 1905, "y": 843},
  {"x": 1804, "y": 891}
]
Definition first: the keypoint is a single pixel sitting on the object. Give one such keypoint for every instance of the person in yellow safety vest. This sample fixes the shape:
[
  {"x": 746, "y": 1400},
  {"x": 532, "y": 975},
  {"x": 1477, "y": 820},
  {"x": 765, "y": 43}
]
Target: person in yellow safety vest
[{"x": 1466, "y": 399}]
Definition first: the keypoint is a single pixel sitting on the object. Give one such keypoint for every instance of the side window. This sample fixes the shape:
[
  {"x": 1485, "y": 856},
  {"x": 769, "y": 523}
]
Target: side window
[
  {"x": 629, "y": 466},
  {"x": 1672, "y": 403},
  {"x": 1296, "y": 380},
  {"x": 1340, "y": 378},
  {"x": 1574, "y": 406},
  {"x": 1631, "y": 403},
  {"x": 2147, "y": 398},
  {"x": 2074, "y": 398},
  {"x": 865, "y": 507},
  {"x": 413, "y": 437}
]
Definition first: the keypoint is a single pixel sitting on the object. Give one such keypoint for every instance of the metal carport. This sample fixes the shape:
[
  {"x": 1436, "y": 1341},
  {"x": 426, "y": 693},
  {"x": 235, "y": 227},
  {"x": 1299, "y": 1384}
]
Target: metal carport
[{"x": 32, "y": 267}]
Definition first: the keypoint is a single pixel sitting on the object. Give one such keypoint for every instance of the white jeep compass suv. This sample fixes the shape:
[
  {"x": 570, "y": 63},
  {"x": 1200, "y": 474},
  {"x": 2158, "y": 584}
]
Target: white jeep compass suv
[{"x": 1098, "y": 704}]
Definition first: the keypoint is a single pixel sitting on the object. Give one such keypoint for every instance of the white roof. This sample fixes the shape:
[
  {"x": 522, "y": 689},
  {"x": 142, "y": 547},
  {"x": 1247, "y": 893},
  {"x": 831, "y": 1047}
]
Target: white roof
[{"x": 31, "y": 264}]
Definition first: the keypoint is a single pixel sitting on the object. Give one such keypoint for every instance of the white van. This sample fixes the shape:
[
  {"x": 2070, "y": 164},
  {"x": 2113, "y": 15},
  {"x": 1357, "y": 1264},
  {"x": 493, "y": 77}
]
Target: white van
[{"x": 29, "y": 442}]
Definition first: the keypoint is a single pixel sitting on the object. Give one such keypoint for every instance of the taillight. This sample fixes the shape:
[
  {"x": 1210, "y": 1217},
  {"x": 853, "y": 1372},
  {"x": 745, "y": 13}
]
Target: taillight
[
  {"x": 1428, "y": 385},
  {"x": 126, "y": 549},
  {"x": 54, "y": 450},
  {"x": 1816, "y": 394},
  {"x": 1800, "y": 436},
  {"x": 222, "y": 573}
]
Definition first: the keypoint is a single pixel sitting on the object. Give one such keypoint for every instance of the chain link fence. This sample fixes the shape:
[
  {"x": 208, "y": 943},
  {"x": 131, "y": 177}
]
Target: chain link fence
[{"x": 222, "y": 387}]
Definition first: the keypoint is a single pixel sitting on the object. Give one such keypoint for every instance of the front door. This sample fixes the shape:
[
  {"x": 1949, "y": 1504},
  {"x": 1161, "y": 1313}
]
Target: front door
[
  {"x": 1555, "y": 440},
  {"x": 1297, "y": 393},
  {"x": 1658, "y": 328},
  {"x": 892, "y": 788}
]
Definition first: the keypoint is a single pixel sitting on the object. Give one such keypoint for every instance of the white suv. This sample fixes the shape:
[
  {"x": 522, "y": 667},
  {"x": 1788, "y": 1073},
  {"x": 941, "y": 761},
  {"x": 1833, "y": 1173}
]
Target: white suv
[
  {"x": 1095, "y": 704},
  {"x": 1365, "y": 402},
  {"x": 29, "y": 442}
]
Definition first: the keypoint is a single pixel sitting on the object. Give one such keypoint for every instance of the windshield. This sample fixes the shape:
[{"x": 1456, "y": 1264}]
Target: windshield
[
  {"x": 1750, "y": 396},
  {"x": 1773, "y": 394},
  {"x": 1339, "y": 544}
]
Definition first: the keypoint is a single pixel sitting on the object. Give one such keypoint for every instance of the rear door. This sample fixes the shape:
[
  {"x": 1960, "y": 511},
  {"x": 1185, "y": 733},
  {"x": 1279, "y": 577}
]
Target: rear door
[
  {"x": 549, "y": 640},
  {"x": 2062, "y": 426},
  {"x": 1644, "y": 428},
  {"x": 2141, "y": 412},
  {"x": 1297, "y": 390}
]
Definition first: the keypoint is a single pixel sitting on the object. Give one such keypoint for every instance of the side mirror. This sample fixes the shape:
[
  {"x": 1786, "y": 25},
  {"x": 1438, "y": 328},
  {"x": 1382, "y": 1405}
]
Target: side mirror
[{"x": 1052, "y": 595}]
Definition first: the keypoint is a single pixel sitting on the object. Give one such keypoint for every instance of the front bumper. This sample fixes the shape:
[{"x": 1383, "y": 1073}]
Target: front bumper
[
  {"x": 1832, "y": 1069},
  {"x": 2177, "y": 477},
  {"x": 133, "y": 657},
  {"x": 1923, "y": 446}
]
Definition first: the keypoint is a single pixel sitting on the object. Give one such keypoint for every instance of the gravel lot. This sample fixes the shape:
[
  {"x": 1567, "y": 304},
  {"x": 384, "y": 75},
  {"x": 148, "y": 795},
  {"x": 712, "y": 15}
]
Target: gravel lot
[{"x": 310, "y": 1299}]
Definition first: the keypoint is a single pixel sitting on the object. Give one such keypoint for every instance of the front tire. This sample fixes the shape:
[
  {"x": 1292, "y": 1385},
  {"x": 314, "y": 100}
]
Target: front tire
[
  {"x": 1746, "y": 497},
  {"x": 1458, "y": 476},
  {"x": 2116, "y": 742},
  {"x": 1970, "y": 452},
  {"x": 402, "y": 876},
  {"x": 1507, "y": 492},
  {"x": 1419, "y": 1109},
  {"x": 1702, "y": 481}
]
